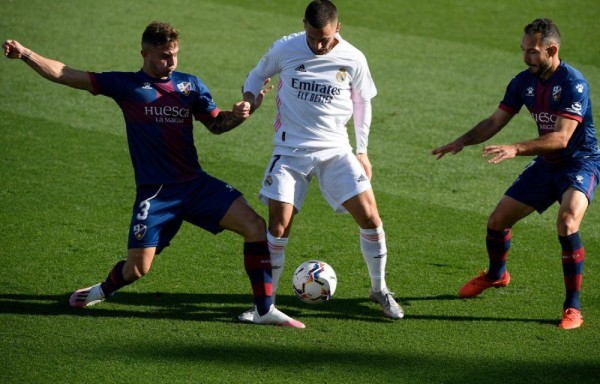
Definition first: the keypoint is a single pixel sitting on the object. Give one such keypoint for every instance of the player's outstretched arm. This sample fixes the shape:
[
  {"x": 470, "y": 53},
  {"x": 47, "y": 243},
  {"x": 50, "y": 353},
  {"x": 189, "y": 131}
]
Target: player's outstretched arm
[
  {"x": 52, "y": 70},
  {"x": 481, "y": 132},
  {"x": 225, "y": 121},
  {"x": 553, "y": 141}
]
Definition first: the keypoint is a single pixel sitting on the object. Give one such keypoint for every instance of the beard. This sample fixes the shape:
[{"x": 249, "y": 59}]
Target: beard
[{"x": 540, "y": 69}]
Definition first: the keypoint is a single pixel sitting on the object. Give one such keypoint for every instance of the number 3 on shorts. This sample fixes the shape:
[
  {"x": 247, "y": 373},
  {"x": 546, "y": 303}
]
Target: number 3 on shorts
[{"x": 144, "y": 207}]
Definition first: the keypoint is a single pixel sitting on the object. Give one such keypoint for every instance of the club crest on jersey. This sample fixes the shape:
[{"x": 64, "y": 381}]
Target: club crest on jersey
[
  {"x": 579, "y": 88},
  {"x": 147, "y": 86},
  {"x": 556, "y": 92},
  {"x": 185, "y": 87},
  {"x": 268, "y": 181},
  {"x": 342, "y": 75},
  {"x": 139, "y": 230}
]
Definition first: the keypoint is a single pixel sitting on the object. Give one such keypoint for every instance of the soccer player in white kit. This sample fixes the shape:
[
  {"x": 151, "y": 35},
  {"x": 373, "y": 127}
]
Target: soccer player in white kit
[{"x": 323, "y": 81}]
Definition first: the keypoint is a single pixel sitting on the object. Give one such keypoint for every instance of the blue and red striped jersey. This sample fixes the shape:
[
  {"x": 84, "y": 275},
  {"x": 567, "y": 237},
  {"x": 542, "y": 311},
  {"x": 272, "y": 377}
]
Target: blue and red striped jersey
[
  {"x": 565, "y": 93},
  {"x": 159, "y": 116}
]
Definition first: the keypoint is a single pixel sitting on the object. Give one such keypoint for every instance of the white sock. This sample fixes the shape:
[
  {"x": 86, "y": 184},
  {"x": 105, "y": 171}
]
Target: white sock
[
  {"x": 277, "y": 251},
  {"x": 374, "y": 250}
]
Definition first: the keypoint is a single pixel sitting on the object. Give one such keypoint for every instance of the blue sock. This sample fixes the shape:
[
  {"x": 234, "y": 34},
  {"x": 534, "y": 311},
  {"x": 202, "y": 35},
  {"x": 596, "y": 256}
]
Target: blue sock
[
  {"x": 498, "y": 244},
  {"x": 257, "y": 263},
  {"x": 573, "y": 255},
  {"x": 114, "y": 280}
]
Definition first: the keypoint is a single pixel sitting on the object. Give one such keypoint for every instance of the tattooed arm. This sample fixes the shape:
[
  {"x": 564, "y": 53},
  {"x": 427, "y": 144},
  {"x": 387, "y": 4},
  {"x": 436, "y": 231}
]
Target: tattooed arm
[{"x": 227, "y": 120}]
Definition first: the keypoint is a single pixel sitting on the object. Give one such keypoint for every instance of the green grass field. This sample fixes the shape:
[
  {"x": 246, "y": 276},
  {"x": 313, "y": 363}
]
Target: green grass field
[{"x": 66, "y": 189}]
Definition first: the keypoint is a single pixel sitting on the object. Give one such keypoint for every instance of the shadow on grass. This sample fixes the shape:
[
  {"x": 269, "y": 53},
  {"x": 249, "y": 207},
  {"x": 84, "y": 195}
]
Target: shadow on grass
[
  {"x": 221, "y": 307},
  {"x": 335, "y": 364}
]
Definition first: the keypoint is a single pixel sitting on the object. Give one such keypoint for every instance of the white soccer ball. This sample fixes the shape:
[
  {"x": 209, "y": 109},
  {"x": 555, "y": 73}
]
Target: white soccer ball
[{"x": 314, "y": 281}]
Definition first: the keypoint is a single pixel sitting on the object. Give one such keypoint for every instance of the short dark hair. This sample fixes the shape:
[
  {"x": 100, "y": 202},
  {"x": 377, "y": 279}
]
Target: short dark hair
[
  {"x": 158, "y": 33},
  {"x": 320, "y": 13},
  {"x": 546, "y": 28}
]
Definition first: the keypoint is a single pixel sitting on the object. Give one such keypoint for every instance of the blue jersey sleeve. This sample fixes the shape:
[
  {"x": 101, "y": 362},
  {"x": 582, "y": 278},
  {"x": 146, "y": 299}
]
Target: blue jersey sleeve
[
  {"x": 203, "y": 106},
  {"x": 111, "y": 84},
  {"x": 512, "y": 101},
  {"x": 575, "y": 100}
]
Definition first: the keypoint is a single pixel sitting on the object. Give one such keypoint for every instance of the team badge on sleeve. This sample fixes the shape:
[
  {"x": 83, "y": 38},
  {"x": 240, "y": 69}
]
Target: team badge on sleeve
[
  {"x": 139, "y": 230},
  {"x": 185, "y": 87}
]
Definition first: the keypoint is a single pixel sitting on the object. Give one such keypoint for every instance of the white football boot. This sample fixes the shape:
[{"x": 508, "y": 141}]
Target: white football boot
[
  {"x": 390, "y": 307},
  {"x": 86, "y": 297},
  {"x": 276, "y": 317},
  {"x": 247, "y": 315}
]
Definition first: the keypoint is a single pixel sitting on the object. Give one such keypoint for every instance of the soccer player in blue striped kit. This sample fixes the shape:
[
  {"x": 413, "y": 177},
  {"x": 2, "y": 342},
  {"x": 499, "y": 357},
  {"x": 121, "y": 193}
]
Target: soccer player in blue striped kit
[
  {"x": 159, "y": 106},
  {"x": 566, "y": 168}
]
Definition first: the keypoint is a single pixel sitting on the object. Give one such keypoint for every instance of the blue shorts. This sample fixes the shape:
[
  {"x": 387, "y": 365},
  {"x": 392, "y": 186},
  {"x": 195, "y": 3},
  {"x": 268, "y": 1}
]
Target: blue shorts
[
  {"x": 542, "y": 184},
  {"x": 159, "y": 210}
]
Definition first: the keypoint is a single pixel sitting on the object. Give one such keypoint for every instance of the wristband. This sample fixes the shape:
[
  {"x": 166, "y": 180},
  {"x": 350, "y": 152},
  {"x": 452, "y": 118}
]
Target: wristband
[{"x": 26, "y": 56}]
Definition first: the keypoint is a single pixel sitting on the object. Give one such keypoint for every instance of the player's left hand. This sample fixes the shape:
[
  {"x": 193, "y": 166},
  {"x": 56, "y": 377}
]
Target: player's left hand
[
  {"x": 363, "y": 159},
  {"x": 499, "y": 153},
  {"x": 266, "y": 89}
]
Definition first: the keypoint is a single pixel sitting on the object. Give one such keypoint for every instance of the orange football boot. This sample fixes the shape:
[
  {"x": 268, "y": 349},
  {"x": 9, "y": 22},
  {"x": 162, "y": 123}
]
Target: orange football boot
[
  {"x": 480, "y": 283},
  {"x": 571, "y": 319}
]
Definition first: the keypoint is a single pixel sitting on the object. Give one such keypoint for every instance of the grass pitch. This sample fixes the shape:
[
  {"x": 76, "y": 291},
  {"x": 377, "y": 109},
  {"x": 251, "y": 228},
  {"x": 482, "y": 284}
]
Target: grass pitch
[{"x": 67, "y": 187}]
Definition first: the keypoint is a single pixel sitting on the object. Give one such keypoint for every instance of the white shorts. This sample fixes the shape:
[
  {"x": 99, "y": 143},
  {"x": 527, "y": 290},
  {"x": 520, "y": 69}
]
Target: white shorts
[{"x": 339, "y": 173}]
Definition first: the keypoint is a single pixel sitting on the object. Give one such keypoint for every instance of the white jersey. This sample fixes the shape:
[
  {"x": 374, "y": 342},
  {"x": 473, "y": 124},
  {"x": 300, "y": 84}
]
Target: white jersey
[{"x": 315, "y": 93}]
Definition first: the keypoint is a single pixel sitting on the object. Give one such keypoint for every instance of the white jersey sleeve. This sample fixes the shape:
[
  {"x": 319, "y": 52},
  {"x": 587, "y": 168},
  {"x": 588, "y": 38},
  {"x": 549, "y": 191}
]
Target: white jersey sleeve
[
  {"x": 362, "y": 124},
  {"x": 268, "y": 66}
]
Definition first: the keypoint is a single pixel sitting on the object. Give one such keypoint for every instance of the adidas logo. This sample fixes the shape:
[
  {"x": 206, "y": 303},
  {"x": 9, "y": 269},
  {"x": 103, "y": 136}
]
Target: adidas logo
[
  {"x": 300, "y": 68},
  {"x": 361, "y": 178}
]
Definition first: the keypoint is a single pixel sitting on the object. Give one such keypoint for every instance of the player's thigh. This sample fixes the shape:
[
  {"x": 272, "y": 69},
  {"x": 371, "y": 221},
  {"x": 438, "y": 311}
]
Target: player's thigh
[
  {"x": 579, "y": 181},
  {"x": 535, "y": 187},
  {"x": 154, "y": 220},
  {"x": 507, "y": 212},
  {"x": 573, "y": 205},
  {"x": 242, "y": 219},
  {"x": 207, "y": 203},
  {"x": 281, "y": 217},
  {"x": 363, "y": 209}
]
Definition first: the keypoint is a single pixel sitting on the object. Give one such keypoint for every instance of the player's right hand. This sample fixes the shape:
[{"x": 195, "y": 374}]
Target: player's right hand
[
  {"x": 453, "y": 147},
  {"x": 241, "y": 109},
  {"x": 13, "y": 49}
]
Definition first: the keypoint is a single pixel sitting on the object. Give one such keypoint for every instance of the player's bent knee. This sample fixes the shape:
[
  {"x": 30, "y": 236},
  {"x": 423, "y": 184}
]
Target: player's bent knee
[
  {"x": 135, "y": 273},
  {"x": 256, "y": 229},
  {"x": 251, "y": 226},
  {"x": 567, "y": 225},
  {"x": 277, "y": 230},
  {"x": 496, "y": 223},
  {"x": 138, "y": 263}
]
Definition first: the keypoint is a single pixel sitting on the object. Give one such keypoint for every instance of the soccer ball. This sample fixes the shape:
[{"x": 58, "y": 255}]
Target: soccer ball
[{"x": 314, "y": 281}]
